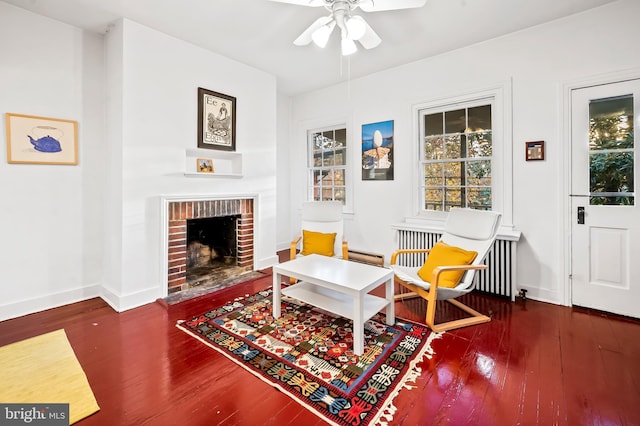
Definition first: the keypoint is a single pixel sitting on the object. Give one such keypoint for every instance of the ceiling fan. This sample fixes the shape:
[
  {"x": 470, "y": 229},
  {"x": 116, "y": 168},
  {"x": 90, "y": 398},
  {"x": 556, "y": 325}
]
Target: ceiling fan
[{"x": 352, "y": 27}]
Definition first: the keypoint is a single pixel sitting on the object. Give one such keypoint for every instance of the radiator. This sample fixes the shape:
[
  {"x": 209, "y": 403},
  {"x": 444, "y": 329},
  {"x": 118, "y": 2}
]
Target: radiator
[{"x": 499, "y": 277}]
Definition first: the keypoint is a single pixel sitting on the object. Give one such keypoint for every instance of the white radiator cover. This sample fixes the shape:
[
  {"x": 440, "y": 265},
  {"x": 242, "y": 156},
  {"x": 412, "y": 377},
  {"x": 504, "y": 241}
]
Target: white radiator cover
[{"x": 499, "y": 277}]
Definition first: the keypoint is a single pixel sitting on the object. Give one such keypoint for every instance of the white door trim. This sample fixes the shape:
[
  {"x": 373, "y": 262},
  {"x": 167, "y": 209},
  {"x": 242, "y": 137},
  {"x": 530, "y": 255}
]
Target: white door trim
[{"x": 565, "y": 164}]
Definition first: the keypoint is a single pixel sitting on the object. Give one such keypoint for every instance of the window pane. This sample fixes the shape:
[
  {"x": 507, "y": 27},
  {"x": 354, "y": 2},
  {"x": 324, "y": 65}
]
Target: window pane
[
  {"x": 433, "y": 174},
  {"x": 328, "y": 140},
  {"x": 317, "y": 177},
  {"x": 340, "y": 157},
  {"x": 611, "y": 174},
  {"x": 317, "y": 141},
  {"x": 453, "y": 174},
  {"x": 433, "y": 148},
  {"x": 433, "y": 124},
  {"x": 327, "y": 158},
  {"x": 454, "y": 197},
  {"x": 479, "y": 173},
  {"x": 327, "y": 193},
  {"x": 339, "y": 194},
  {"x": 480, "y": 118},
  {"x": 433, "y": 199},
  {"x": 611, "y": 123},
  {"x": 611, "y": 201},
  {"x": 479, "y": 198},
  {"x": 317, "y": 159},
  {"x": 340, "y": 138},
  {"x": 455, "y": 121},
  {"x": 479, "y": 144},
  {"x": 452, "y": 146},
  {"x": 338, "y": 177}
]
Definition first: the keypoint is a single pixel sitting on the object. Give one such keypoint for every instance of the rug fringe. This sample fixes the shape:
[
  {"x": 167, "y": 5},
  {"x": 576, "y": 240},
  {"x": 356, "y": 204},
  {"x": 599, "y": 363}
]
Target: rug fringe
[{"x": 388, "y": 409}]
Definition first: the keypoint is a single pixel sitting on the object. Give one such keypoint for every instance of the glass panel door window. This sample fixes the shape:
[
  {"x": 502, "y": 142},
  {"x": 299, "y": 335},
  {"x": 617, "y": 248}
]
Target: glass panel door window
[{"x": 611, "y": 151}]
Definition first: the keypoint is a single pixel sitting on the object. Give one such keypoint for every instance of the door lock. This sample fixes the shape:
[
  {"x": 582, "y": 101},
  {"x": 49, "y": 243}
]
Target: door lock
[{"x": 580, "y": 215}]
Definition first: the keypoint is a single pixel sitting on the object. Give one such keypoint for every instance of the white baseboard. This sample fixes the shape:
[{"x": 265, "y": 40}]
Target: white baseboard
[
  {"x": 41, "y": 303},
  {"x": 122, "y": 303},
  {"x": 541, "y": 295},
  {"x": 266, "y": 262}
]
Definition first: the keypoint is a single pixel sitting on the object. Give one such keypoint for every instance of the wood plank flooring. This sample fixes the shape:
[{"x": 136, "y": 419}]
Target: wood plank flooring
[{"x": 534, "y": 363}]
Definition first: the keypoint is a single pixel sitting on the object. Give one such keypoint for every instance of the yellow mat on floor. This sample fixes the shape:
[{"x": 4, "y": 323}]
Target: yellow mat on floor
[{"x": 44, "y": 369}]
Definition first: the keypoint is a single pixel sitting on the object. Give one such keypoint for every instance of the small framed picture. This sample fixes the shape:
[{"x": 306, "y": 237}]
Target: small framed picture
[
  {"x": 41, "y": 140},
  {"x": 534, "y": 150},
  {"x": 204, "y": 165}
]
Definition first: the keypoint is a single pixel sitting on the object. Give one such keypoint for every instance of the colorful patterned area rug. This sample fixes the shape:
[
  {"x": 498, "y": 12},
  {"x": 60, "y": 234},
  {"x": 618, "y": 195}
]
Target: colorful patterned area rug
[{"x": 307, "y": 354}]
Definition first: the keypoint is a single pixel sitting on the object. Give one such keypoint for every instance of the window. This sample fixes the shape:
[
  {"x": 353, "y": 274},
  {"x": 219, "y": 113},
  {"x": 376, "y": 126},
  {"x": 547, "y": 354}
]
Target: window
[
  {"x": 456, "y": 156},
  {"x": 611, "y": 151},
  {"x": 327, "y": 164}
]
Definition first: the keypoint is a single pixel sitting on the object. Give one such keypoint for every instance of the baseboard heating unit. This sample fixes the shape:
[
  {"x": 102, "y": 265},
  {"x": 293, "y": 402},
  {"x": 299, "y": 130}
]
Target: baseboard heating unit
[{"x": 366, "y": 257}]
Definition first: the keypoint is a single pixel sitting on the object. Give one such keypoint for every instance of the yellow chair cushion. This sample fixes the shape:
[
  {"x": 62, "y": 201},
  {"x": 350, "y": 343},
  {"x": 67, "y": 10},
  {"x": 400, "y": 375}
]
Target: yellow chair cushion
[
  {"x": 445, "y": 255},
  {"x": 317, "y": 243}
]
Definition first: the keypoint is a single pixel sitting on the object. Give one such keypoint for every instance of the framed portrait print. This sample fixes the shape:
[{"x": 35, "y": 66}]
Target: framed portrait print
[
  {"x": 216, "y": 120},
  {"x": 41, "y": 140},
  {"x": 377, "y": 151}
]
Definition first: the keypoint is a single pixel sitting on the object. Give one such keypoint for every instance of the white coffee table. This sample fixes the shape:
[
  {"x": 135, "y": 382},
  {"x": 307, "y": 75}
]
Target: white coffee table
[{"x": 338, "y": 286}]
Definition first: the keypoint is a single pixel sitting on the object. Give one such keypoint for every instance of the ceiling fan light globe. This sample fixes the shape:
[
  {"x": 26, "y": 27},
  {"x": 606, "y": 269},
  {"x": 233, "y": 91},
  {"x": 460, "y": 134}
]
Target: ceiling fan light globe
[
  {"x": 321, "y": 36},
  {"x": 356, "y": 27},
  {"x": 348, "y": 46}
]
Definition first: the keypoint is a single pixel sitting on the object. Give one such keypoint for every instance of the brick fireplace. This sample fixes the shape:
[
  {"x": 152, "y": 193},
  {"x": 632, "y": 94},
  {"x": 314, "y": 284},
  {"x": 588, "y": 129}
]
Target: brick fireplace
[{"x": 179, "y": 212}]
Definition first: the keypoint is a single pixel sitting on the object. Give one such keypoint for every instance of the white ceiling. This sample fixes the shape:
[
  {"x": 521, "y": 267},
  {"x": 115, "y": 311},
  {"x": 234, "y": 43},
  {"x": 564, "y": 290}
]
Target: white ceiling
[{"x": 260, "y": 32}]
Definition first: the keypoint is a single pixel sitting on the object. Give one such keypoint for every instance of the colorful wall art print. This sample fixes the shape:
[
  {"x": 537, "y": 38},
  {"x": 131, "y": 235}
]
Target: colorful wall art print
[
  {"x": 377, "y": 151},
  {"x": 41, "y": 140}
]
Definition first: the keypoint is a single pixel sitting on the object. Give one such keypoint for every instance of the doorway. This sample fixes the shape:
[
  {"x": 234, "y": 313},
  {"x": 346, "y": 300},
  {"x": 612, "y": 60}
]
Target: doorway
[{"x": 605, "y": 218}]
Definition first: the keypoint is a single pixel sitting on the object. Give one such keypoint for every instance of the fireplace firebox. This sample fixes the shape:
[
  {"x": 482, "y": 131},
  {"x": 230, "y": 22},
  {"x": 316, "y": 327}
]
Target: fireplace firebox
[{"x": 209, "y": 240}]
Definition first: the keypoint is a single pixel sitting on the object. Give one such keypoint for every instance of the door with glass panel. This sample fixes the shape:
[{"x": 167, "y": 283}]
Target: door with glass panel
[{"x": 605, "y": 230}]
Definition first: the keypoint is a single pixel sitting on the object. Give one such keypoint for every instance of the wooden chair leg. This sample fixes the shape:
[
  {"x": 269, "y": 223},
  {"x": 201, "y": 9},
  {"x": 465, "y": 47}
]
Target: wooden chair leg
[
  {"x": 408, "y": 295},
  {"x": 476, "y": 318}
]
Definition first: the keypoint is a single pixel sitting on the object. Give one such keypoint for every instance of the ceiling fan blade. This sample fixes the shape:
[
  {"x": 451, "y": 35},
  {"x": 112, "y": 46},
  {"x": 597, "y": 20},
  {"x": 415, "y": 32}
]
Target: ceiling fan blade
[
  {"x": 370, "y": 39},
  {"x": 380, "y": 5},
  {"x": 312, "y": 3},
  {"x": 305, "y": 38}
]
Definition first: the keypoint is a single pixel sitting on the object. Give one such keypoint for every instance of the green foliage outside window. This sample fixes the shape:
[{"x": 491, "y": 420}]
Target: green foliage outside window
[{"x": 611, "y": 151}]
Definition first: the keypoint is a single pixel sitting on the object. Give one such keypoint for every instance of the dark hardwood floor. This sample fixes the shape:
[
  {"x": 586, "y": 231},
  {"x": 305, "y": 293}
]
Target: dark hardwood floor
[{"x": 534, "y": 363}]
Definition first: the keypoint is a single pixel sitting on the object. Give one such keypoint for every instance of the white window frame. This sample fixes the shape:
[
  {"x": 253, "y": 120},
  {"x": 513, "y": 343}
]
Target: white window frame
[
  {"x": 310, "y": 166},
  {"x": 501, "y": 163}
]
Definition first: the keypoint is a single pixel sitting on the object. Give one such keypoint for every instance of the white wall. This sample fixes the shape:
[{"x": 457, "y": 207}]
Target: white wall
[
  {"x": 76, "y": 232},
  {"x": 51, "y": 241},
  {"x": 283, "y": 164},
  {"x": 160, "y": 76},
  {"x": 533, "y": 66}
]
